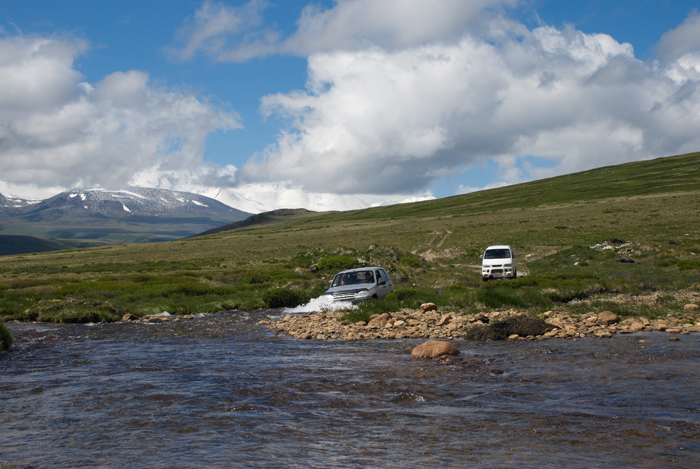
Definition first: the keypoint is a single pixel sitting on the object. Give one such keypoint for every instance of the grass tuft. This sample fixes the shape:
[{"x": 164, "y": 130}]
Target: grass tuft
[{"x": 5, "y": 338}]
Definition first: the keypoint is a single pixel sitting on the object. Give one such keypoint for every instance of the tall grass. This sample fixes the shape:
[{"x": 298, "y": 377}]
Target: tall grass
[{"x": 5, "y": 338}]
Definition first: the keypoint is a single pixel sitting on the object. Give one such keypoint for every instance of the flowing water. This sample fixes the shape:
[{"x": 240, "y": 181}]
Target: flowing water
[{"x": 219, "y": 391}]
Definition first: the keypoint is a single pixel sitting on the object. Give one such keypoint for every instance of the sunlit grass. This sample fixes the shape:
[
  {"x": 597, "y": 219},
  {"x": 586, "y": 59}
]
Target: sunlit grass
[{"x": 431, "y": 250}]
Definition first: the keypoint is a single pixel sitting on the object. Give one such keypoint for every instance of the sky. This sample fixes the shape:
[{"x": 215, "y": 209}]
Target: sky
[{"x": 339, "y": 104}]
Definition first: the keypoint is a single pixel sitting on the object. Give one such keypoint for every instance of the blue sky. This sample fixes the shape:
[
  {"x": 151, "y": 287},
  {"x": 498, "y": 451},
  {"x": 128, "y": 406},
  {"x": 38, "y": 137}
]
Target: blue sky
[{"x": 247, "y": 96}]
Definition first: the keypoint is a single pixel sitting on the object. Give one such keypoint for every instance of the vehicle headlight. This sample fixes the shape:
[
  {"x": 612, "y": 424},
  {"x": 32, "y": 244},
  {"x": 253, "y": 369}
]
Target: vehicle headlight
[
  {"x": 362, "y": 294},
  {"x": 508, "y": 265}
]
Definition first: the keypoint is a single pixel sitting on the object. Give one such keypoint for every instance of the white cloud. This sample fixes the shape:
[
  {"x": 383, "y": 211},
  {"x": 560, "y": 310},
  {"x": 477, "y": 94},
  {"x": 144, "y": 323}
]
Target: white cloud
[
  {"x": 225, "y": 33},
  {"x": 681, "y": 40},
  {"x": 256, "y": 198},
  {"x": 232, "y": 34},
  {"x": 57, "y": 131},
  {"x": 388, "y": 121}
]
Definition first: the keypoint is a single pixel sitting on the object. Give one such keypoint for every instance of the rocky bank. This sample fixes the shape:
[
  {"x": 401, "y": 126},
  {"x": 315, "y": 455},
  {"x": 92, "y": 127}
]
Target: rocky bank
[{"x": 428, "y": 322}]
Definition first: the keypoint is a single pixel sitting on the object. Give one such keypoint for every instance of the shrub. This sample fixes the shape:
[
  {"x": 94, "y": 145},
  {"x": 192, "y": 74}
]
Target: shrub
[
  {"x": 410, "y": 261},
  {"x": 344, "y": 262},
  {"x": 357, "y": 315},
  {"x": 496, "y": 298},
  {"x": 284, "y": 298},
  {"x": 501, "y": 330},
  {"x": 5, "y": 338}
]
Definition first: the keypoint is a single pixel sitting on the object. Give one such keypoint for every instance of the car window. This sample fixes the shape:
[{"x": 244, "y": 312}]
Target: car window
[
  {"x": 497, "y": 254},
  {"x": 383, "y": 275},
  {"x": 353, "y": 278}
]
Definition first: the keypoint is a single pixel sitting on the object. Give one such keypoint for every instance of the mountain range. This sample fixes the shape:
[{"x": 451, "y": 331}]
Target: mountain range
[{"x": 136, "y": 215}]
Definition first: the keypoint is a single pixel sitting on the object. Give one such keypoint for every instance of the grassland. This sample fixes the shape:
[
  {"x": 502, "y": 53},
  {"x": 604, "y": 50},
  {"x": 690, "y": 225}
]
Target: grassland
[{"x": 649, "y": 209}]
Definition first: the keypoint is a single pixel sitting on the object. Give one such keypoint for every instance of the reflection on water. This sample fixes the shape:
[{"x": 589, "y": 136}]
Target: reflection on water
[{"x": 220, "y": 391}]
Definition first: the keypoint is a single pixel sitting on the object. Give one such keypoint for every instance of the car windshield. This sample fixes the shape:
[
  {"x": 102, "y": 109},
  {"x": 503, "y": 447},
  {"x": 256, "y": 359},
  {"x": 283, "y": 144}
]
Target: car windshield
[
  {"x": 497, "y": 254},
  {"x": 353, "y": 278}
]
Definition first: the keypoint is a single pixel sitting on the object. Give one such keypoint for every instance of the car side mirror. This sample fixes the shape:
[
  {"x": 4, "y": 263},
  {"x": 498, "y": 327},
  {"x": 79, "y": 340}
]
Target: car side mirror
[{"x": 481, "y": 256}]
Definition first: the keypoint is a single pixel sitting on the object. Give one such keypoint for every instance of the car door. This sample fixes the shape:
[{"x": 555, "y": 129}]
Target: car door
[{"x": 384, "y": 285}]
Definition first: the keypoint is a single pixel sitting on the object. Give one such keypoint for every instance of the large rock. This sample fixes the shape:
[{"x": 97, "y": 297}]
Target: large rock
[
  {"x": 434, "y": 349},
  {"x": 691, "y": 307},
  {"x": 607, "y": 317},
  {"x": 425, "y": 307},
  {"x": 379, "y": 321}
]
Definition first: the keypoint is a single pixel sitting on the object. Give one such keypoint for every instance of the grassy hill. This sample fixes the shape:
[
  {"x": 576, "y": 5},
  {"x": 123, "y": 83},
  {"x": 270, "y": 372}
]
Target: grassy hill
[{"x": 558, "y": 227}]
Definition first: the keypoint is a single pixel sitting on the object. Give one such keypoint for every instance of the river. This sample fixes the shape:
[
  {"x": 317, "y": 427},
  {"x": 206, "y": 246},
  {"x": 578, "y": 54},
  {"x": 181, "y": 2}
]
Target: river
[{"x": 220, "y": 391}]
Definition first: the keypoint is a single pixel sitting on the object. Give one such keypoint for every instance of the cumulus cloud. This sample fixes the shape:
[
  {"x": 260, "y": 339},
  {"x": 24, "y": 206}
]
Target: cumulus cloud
[
  {"x": 681, "y": 40},
  {"x": 59, "y": 131},
  {"x": 387, "y": 121},
  {"x": 232, "y": 34}
]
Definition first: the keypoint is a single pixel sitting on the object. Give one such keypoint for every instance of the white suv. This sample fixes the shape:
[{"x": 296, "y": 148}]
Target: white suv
[
  {"x": 498, "y": 262},
  {"x": 358, "y": 285}
]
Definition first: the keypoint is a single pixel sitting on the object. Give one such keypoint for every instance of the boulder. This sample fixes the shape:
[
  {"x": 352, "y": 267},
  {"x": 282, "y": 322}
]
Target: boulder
[
  {"x": 425, "y": 307},
  {"x": 445, "y": 319},
  {"x": 691, "y": 307},
  {"x": 129, "y": 317},
  {"x": 434, "y": 349},
  {"x": 379, "y": 321},
  {"x": 607, "y": 317}
]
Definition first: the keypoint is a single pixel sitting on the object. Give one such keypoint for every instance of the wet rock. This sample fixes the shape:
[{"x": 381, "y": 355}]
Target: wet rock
[
  {"x": 674, "y": 339},
  {"x": 425, "y": 307},
  {"x": 434, "y": 349},
  {"x": 673, "y": 331},
  {"x": 607, "y": 318}
]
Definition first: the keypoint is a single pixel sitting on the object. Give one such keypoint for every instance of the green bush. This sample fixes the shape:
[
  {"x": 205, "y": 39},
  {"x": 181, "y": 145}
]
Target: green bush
[
  {"x": 501, "y": 330},
  {"x": 5, "y": 338},
  {"x": 285, "y": 298},
  {"x": 338, "y": 262},
  {"x": 410, "y": 261}
]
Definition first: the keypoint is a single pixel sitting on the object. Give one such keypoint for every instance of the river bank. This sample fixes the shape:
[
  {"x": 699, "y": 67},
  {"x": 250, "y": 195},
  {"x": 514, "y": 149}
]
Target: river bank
[{"x": 426, "y": 322}]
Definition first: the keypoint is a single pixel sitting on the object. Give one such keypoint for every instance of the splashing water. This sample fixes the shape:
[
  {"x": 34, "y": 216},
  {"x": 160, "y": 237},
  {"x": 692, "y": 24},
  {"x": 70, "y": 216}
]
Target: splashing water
[{"x": 322, "y": 303}]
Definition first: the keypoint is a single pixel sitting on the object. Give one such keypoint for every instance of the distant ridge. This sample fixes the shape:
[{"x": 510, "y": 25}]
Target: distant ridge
[{"x": 10, "y": 245}]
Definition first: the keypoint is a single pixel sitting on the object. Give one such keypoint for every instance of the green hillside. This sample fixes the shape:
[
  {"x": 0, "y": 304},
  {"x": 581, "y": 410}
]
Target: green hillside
[{"x": 648, "y": 209}]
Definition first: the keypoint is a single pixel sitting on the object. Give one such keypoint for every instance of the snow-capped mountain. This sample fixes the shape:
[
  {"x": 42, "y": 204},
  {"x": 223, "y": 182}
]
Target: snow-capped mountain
[
  {"x": 10, "y": 203},
  {"x": 137, "y": 201},
  {"x": 134, "y": 215}
]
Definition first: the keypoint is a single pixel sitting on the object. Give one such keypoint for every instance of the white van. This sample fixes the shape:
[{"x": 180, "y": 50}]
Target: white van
[
  {"x": 358, "y": 285},
  {"x": 498, "y": 262}
]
